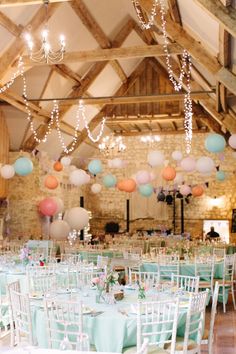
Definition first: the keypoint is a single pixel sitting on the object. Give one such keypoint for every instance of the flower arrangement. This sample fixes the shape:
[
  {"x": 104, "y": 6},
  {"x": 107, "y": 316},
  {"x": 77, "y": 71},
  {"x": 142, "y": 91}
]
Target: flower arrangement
[
  {"x": 25, "y": 255},
  {"x": 103, "y": 283},
  {"x": 142, "y": 288}
]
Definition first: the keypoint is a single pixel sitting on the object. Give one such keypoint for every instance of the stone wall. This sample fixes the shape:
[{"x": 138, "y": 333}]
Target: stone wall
[{"x": 110, "y": 205}]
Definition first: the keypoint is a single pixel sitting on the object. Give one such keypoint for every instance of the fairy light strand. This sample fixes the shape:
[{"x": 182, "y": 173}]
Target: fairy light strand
[
  {"x": 20, "y": 68},
  {"x": 185, "y": 70}
]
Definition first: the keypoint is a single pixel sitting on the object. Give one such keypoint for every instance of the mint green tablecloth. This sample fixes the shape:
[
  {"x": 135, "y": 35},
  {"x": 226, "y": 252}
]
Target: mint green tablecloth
[{"x": 111, "y": 331}]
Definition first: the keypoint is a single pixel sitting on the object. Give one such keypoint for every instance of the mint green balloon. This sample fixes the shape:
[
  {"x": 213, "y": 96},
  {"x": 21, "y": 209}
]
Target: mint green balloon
[
  {"x": 215, "y": 143},
  {"x": 95, "y": 167},
  {"x": 23, "y": 166},
  {"x": 145, "y": 190},
  {"x": 220, "y": 176},
  {"x": 109, "y": 181}
]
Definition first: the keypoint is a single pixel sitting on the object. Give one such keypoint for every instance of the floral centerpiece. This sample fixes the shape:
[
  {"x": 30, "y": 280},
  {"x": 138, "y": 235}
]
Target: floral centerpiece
[
  {"x": 25, "y": 255},
  {"x": 104, "y": 283}
]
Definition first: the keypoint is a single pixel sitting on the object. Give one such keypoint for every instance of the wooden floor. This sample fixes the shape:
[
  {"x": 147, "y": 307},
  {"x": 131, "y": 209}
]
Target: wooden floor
[{"x": 224, "y": 330}]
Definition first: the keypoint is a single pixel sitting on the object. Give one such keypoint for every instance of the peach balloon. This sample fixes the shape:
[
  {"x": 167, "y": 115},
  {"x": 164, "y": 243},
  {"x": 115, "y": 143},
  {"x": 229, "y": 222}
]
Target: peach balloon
[
  {"x": 197, "y": 191},
  {"x": 51, "y": 182},
  {"x": 168, "y": 173},
  {"x": 120, "y": 186},
  {"x": 129, "y": 185},
  {"x": 58, "y": 166}
]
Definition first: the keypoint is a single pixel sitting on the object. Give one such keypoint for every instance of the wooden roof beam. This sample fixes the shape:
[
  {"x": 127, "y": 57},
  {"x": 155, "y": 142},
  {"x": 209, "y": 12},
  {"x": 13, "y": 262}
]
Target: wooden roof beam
[
  {"x": 161, "y": 132},
  {"x": 10, "y": 3},
  {"x": 142, "y": 51},
  {"x": 93, "y": 27}
]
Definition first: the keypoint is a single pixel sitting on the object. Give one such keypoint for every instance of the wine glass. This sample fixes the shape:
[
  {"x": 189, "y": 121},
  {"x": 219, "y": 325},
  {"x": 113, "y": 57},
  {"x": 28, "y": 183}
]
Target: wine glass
[{"x": 83, "y": 342}]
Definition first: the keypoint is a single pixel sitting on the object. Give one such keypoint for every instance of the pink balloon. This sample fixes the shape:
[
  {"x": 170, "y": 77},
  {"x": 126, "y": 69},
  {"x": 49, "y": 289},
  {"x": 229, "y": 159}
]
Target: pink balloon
[
  {"x": 185, "y": 189},
  {"x": 188, "y": 164},
  {"x": 143, "y": 177},
  {"x": 48, "y": 207}
]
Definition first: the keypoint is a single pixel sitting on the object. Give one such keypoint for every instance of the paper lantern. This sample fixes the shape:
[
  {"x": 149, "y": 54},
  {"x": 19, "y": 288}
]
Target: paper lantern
[
  {"x": 77, "y": 218},
  {"x": 95, "y": 167},
  {"x": 146, "y": 190},
  {"x": 7, "y": 171},
  {"x": 109, "y": 181},
  {"x": 116, "y": 163},
  {"x": 188, "y": 164},
  {"x": 129, "y": 185},
  {"x": 96, "y": 188},
  {"x": 205, "y": 165},
  {"x": 232, "y": 141},
  {"x": 23, "y": 166},
  {"x": 143, "y": 177},
  {"x": 177, "y": 155},
  {"x": 168, "y": 173},
  {"x": 59, "y": 203},
  {"x": 58, "y": 166},
  {"x": 48, "y": 207},
  {"x": 59, "y": 230},
  {"x": 197, "y": 191},
  {"x": 66, "y": 161},
  {"x": 79, "y": 177},
  {"x": 155, "y": 158},
  {"x": 51, "y": 182},
  {"x": 120, "y": 186},
  {"x": 215, "y": 143},
  {"x": 185, "y": 189},
  {"x": 220, "y": 176}
]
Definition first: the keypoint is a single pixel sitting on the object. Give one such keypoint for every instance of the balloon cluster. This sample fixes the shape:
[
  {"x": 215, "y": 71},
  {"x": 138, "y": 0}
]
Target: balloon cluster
[{"x": 23, "y": 166}]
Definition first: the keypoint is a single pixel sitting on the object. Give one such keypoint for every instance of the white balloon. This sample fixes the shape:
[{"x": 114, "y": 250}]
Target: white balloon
[
  {"x": 188, "y": 164},
  {"x": 7, "y": 171},
  {"x": 185, "y": 189},
  {"x": 155, "y": 158},
  {"x": 66, "y": 161},
  {"x": 96, "y": 188},
  {"x": 178, "y": 178},
  {"x": 205, "y": 165},
  {"x": 60, "y": 204},
  {"x": 116, "y": 163},
  {"x": 143, "y": 177},
  {"x": 59, "y": 229},
  {"x": 78, "y": 177},
  {"x": 77, "y": 218},
  {"x": 232, "y": 141},
  {"x": 177, "y": 155}
]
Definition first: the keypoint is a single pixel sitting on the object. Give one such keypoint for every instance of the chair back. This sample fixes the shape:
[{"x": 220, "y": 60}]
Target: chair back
[
  {"x": 102, "y": 261},
  {"x": 229, "y": 264},
  {"x": 167, "y": 265},
  {"x": 42, "y": 280},
  {"x": 64, "y": 321},
  {"x": 150, "y": 279},
  {"x": 157, "y": 322},
  {"x": 195, "y": 320},
  {"x": 187, "y": 283},
  {"x": 204, "y": 269},
  {"x": 219, "y": 252},
  {"x": 21, "y": 316}
]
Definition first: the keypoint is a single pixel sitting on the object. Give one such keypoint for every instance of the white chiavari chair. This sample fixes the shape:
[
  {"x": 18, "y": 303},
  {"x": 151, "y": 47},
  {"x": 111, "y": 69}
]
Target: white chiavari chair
[
  {"x": 41, "y": 280},
  {"x": 5, "y": 317},
  {"x": 227, "y": 283},
  {"x": 14, "y": 286},
  {"x": 208, "y": 335},
  {"x": 194, "y": 327},
  {"x": 205, "y": 269},
  {"x": 21, "y": 316},
  {"x": 219, "y": 252},
  {"x": 157, "y": 322},
  {"x": 70, "y": 258},
  {"x": 150, "y": 279},
  {"x": 185, "y": 282},
  {"x": 144, "y": 347},
  {"x": 102, "y": 261},
  {"x": 167, "y": 265},
  {"x": 64, "y": 324}
]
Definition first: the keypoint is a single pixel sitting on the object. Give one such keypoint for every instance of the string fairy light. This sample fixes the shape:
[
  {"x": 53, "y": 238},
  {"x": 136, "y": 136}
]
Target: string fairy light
[
  {"x": 185, "y": 70},
  {"x": 20, "y": 68}
]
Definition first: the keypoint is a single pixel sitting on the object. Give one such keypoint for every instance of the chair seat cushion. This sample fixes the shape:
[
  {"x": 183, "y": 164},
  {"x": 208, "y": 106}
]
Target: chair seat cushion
[
  {"x": 151, "y": 350},
  {"x": 180, "y": 344}
]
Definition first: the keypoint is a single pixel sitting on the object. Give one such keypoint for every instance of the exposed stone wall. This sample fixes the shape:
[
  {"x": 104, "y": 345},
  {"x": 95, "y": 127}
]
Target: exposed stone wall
[{"x": 110, "y": 205}]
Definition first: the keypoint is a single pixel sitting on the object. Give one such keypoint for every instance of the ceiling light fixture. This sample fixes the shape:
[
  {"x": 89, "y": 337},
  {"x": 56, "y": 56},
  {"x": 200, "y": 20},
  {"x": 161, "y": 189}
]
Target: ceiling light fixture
[
  {"x": 46, "y": 54},
  {"x": 111, "y": 145}
]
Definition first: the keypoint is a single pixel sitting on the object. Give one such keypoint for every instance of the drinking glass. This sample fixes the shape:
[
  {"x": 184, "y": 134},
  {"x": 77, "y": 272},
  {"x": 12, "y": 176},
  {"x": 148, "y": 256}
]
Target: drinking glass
[{"x": 83, "y": 342}]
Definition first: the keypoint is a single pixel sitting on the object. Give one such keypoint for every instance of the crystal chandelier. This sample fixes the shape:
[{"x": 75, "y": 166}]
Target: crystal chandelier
[
  {"x": 46, "y": 54},
  {"x": 111, "y": 144}
]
